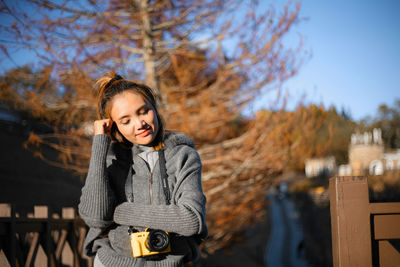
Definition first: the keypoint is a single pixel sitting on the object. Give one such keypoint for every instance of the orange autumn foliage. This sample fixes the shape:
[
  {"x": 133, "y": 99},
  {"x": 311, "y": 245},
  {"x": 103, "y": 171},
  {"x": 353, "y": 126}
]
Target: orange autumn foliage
[{"x": 203, "y": 87}]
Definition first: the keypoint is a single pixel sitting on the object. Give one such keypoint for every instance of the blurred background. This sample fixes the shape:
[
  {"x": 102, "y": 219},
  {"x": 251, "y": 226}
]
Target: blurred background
[{"x": 277, "y": 95}]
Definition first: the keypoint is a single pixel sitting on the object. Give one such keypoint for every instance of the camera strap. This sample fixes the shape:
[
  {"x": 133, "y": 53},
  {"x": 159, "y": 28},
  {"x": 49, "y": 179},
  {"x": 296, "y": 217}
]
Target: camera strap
[
  {"x": 164, "y": 176},
  {"x": 164, "y": 179}
]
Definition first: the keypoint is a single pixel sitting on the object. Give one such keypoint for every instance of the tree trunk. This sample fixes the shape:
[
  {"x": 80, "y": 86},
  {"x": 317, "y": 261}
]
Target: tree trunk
[{"x": 149, "y": 55}]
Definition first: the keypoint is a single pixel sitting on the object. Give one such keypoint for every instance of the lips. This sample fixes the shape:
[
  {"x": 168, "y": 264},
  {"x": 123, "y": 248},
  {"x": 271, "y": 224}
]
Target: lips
[{"x": 144, "y": 133}]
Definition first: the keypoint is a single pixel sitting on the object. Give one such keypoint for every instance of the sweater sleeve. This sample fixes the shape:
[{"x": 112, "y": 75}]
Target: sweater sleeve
[
  {"x": 185, "y": 215},
  {"x": 97, "y": 200}
]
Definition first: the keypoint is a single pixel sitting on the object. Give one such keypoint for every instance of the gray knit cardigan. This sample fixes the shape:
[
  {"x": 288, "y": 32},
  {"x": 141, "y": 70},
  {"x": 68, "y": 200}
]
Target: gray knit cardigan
[{"x": 104, "y": 207}]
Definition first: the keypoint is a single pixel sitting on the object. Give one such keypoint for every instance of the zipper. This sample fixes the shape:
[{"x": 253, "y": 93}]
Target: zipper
[{"x": 151, "y": 187}]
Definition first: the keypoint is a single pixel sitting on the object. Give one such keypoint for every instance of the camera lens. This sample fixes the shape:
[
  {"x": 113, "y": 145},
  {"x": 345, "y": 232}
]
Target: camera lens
[{"x": 157, "y": 240}]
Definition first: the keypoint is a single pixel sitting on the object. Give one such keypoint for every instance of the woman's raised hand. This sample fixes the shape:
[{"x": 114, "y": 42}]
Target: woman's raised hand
[{"x": 103, "y": 126}]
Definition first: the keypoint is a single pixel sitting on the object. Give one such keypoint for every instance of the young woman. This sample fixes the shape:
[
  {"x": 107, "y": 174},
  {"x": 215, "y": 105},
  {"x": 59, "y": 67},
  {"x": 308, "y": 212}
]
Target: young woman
[{"x": 140, "y": 177}]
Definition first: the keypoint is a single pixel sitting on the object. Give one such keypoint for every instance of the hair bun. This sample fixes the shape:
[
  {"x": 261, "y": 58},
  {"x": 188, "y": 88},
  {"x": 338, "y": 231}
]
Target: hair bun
[{"x": 115, "y": 78}]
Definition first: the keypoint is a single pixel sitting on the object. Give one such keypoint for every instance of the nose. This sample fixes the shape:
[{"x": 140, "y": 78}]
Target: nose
[{"x": 139, "y": 123}]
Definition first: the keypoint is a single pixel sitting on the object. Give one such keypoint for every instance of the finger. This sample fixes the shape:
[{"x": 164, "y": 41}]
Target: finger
[
  {"x": 100, "y": 126},
  {"x": 108, "y": 125}
]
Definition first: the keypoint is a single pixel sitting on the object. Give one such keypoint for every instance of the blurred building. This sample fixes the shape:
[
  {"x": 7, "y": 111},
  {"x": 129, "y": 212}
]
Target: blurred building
[
  {"x": 320, "y": 166},
  {"x": 367, "y": 155}
]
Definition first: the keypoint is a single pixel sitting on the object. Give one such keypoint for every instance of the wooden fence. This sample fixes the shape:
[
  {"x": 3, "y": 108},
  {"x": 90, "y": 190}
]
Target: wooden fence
[
  {"x": 363, "y": 233},
  {"x": 41, "y": 240}
]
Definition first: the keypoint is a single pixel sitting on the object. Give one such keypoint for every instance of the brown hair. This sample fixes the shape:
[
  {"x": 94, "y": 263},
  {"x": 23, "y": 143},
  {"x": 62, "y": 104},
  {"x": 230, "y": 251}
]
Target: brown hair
[{"x": 113, "y": 84}]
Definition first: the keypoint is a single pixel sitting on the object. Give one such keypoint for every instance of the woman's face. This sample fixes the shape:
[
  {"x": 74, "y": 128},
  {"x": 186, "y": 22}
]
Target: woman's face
[{"x": 135, "y": 118}]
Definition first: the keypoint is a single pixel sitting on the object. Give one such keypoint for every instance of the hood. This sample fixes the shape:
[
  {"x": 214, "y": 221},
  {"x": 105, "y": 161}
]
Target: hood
[
  {"x": 174, "y": 139},
  {"x": 171, "y": 140}
]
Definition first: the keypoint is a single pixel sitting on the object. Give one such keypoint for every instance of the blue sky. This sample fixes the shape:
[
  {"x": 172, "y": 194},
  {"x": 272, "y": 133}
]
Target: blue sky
[
  {"x": 355, "y": 47},
  {"x": 355, "y": 55}
]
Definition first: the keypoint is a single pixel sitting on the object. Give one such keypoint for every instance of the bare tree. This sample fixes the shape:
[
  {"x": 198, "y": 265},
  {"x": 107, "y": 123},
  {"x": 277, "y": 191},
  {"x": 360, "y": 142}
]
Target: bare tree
[{"x": 207, "y": 61}]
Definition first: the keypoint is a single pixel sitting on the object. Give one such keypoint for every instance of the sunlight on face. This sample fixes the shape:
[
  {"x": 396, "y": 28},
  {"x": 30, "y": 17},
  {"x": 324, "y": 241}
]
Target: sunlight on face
[{"x": 135, "y": 118}]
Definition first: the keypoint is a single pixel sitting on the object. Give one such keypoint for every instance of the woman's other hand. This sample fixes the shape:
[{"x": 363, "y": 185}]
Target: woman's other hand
[{"x": 103, "y": 126}]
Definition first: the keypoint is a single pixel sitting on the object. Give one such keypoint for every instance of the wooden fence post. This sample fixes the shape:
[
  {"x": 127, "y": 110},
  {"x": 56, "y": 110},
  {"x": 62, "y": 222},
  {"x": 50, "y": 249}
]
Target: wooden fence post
[
  {"x": 13, "y": 238},
  {"x": 8, "y": 211},
  {"x": 350, "y": 220}
]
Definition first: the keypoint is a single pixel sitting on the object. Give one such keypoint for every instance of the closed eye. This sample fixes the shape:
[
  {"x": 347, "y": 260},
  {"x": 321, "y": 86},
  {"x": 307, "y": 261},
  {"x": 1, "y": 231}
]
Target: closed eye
[{"x": 125, "y": 122}]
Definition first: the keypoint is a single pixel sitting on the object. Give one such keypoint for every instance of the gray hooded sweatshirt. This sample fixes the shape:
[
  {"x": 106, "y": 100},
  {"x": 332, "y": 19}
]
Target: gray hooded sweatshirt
[{"x": 105, "y": 209}]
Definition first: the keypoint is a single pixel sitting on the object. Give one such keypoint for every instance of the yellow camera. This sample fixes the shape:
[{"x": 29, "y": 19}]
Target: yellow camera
[{"x": 150, "y": 242}]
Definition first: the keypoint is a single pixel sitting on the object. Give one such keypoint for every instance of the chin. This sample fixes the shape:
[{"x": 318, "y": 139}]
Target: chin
[{"x": 144, "y": 141}]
